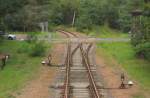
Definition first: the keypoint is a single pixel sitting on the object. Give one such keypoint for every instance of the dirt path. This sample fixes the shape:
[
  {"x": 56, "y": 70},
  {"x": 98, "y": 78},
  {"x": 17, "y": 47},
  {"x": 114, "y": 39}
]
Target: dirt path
[{"x": 39, "y": 87}]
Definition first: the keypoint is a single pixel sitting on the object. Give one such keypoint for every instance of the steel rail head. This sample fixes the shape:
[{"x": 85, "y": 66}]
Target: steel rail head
[
  {"x": 66, "y": 92},
  {"x": 70, "y": 33},
  {"x": 67, "y": 33},
  {"x": 91, "y": 78},
  {"x": 61, "y": 31},
  {"x": 68, "y": 61},
  {"x": 89, "y": 47},
  {"x": 74, "y": 51},
  {"x": 73, "y": 34}
]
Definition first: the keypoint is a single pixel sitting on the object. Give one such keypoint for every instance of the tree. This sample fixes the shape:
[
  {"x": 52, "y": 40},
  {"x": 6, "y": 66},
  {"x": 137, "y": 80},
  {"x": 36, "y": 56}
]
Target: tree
[
  {"x": 8, "y": 9},
  {"x": 141, "y": 41}
]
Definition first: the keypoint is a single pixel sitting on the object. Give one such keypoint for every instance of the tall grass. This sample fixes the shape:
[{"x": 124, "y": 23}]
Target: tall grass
[
  {"x": 106, "y": 32},
  {"x": 19, "y": 68},
  {"x": 124, "y": 54}
]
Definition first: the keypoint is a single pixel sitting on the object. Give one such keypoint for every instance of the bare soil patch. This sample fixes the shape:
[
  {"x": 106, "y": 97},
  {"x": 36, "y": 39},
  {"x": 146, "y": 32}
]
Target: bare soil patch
[
  {"x": 21, "y": 36},
  {"x": 39, "y": 87}
]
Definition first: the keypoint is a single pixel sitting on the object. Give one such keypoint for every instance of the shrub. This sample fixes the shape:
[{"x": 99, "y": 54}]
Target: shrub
[
  {"x": 1, "y": 39},
  {"x": 143, "y": 50},
  {"x": 38, "y": 49},
  {"x": 24, "y": 48},
  {"x": 83, "y": 23},
  {"x": 32, "y": 37}
]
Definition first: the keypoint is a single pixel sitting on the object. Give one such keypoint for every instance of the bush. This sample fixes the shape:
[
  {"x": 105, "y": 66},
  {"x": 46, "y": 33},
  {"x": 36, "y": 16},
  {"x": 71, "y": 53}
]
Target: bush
[
  {"x": 33, "y": 48},
  {"x": 143, "y": 50},
  {"x": 1, "y": 39},
  {"x": 32, "y": 37},
  {"x": 83, "y": 23},
  {"x": 24, "y": 48},
  {"x": 125, "y": 22},
  {"x": 38, "y": 49}
]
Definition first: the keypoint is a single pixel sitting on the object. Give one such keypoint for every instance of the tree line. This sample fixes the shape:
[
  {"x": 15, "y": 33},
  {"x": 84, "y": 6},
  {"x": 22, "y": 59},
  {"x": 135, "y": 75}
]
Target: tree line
[
  {"x": 22, "y": 15},
  {"x": 141, "y": 33},
  {"x": 26, "y": 14}
]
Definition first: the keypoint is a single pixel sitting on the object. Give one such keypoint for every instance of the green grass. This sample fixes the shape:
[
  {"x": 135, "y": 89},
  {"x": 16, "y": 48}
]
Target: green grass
[
  {"x": 55, "y": 35},
  {"x": 124, "y": 54},
  {"x": 106, "y": 32},
  {"x": 19, "y": 69}
]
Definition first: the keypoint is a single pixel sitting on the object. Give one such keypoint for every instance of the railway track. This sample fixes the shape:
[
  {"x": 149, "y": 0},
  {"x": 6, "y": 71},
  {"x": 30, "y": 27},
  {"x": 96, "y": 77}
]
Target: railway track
[
  {"x": 93, "y": 88},
  {"x": 67, "y": 87},
  {"x": 66, "y": 93},
  {"x": 79, "y": 81}
]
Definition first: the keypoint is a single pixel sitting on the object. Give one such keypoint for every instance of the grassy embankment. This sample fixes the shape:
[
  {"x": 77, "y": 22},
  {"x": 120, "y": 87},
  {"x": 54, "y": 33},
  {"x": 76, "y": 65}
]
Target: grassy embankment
[
  {"x": 123, "y": 53},
  {"x": 21, "y": 66}
]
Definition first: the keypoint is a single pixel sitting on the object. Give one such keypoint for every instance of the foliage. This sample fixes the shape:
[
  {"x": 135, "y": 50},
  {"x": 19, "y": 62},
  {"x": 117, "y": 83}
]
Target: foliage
[
  {"x": 83, "y": 23},
  {"x": 38, "y": 49},
  {"x": 25, "y": 15},
  {"x": 124, "y": 54},
  {"x": 141, "y": 39},
  {"x": 32, "y": 37},
  {"x": 125, "y": 22},
  {"x": 143, "y": 49},
  {"x": 1, "y": 39},
  {"x": 62, "y": 12},
  {"x": 106, "y": 32},
  {"x": 19, "y": 69},
  {"x": 24, "y": 48}
]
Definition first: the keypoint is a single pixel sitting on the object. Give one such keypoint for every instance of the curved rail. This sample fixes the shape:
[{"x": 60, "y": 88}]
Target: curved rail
[
  {"x": 67, "y": 81},
  {"x": 91, "y": 77},
  {"x": 66, "y": 92},
  {"x": 67, "y": 33}
]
